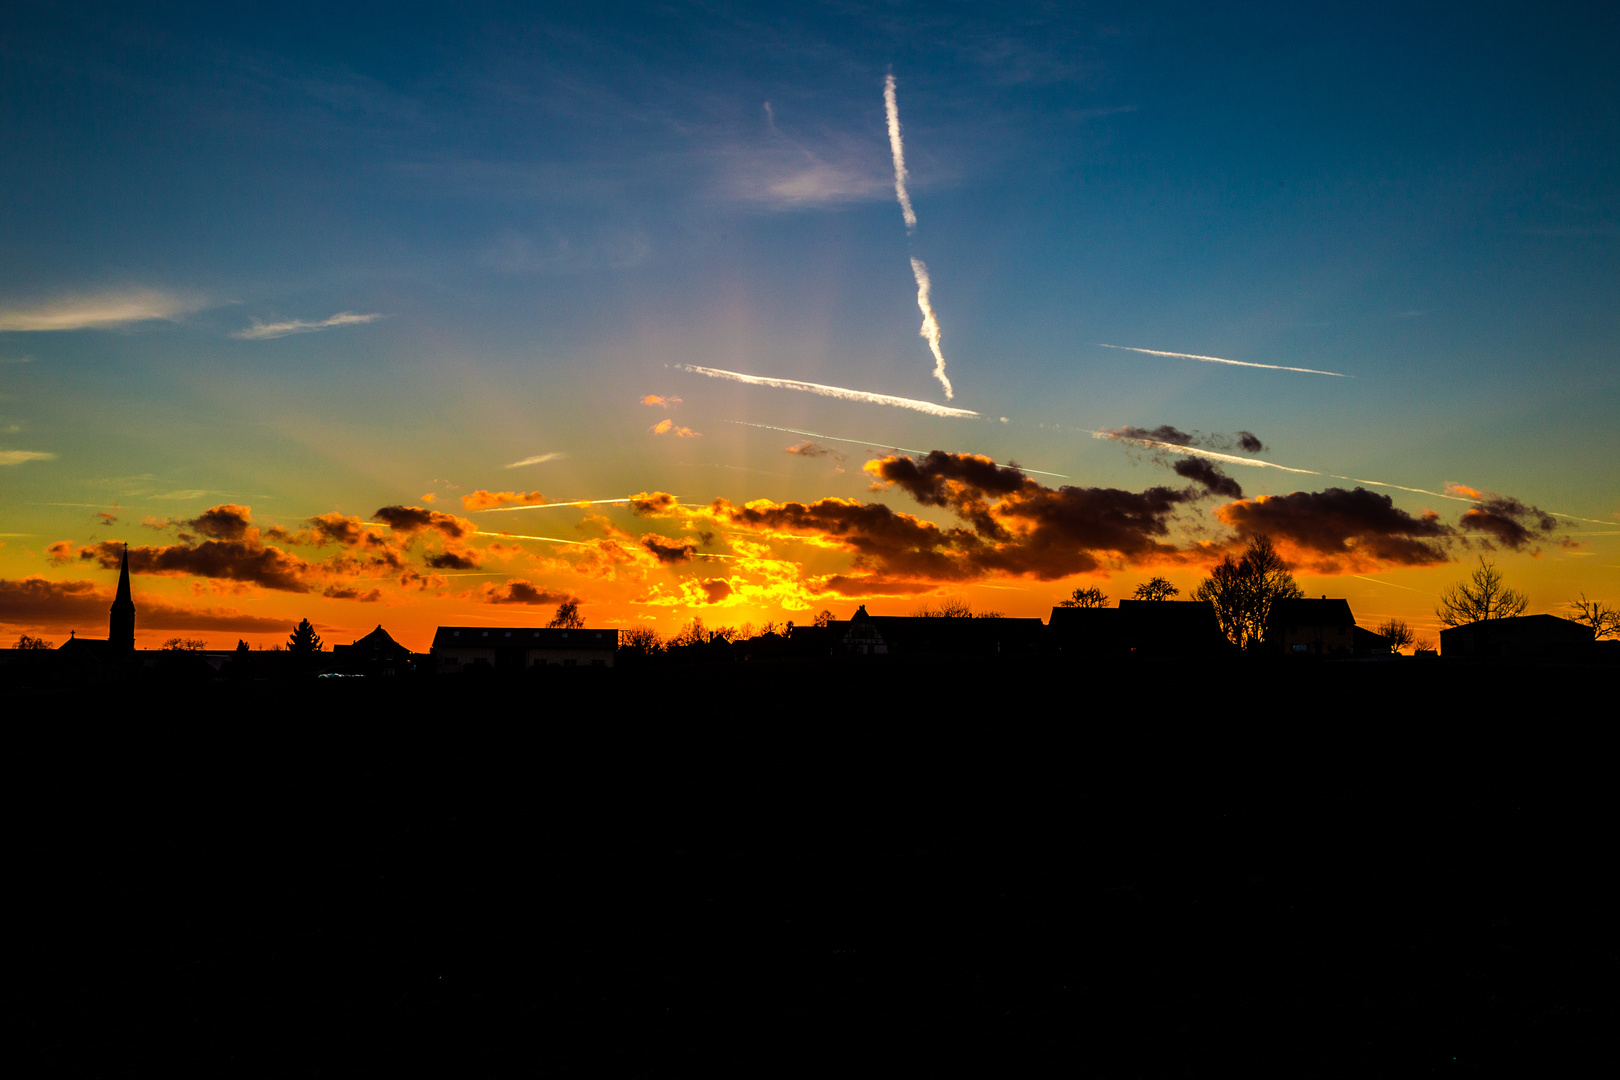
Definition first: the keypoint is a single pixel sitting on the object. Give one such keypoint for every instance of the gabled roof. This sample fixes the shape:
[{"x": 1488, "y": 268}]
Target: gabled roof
[{"x": 1304, "y": 612}]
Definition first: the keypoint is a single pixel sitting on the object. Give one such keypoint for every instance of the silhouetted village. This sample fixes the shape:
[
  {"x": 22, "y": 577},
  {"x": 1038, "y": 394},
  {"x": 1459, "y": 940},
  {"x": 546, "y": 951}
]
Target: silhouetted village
[{"x": 1293, "y": 628}]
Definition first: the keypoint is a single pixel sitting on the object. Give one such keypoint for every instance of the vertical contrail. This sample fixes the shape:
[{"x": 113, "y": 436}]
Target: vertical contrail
[
  {"x": 930, "y": 326},
  {"x": 893, "y": 109}
]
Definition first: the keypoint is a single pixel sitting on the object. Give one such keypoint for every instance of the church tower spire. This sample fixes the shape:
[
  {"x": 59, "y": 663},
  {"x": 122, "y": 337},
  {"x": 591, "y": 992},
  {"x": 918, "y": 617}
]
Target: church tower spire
[{"x": 121, "y": 620}]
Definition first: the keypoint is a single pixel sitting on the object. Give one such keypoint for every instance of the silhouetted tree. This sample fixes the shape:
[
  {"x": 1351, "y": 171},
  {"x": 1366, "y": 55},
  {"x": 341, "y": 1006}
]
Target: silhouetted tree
[
  {"x": 304, "y": 641},
  {"x": 693, "y": 633},
  {"x": 1604, "y": 619},
  {"x": 178, "y": 644},
  {"x": 1155, "y": 589},
  {"x": 1483, "y": 596},
  {"x": 1243, "y": 590},
  {"x": 823, "y": 617},
  {"x": 1399, "y": 634},
  {"x": 567, "y": 617},
  {"x": 26, "y": 642},
  {"x": 953, "y": 608},
  {"x": 642, "y": 640},
  {"x": 1089, "y": 597}
]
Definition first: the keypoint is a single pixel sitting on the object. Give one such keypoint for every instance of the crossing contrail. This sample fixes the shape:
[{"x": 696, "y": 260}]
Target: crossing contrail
[
  {"x": 930, "y": 326},
  {"x": 1219, "y": 360},
  {"x": 892, "y": 109},
  {"x": 827, "y": 391},
  {"x": 546, "y": 506}
]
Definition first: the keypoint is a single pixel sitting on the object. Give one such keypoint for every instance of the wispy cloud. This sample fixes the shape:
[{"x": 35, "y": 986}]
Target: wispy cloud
[
  {"x": 260, "y": 331},
  {"x": 548, "y": 506},
  {"x": 827, "y": 391},
  {"x": 538, "y": 459},
  {"x": 17, "y": 457},
  {"x": 930, "y": 326},
  {"x": 100, "y": 311},
  {"x": 891, "y": 108},
  {"x": 1219, "y": 360}
]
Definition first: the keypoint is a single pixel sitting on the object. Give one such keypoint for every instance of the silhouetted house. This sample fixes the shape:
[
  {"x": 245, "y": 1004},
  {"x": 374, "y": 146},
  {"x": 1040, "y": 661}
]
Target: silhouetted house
[
  {"x": 119, "y": 647},
  {"x": 915, "y": 635},
  {"x": 520, "y": 648},
  {"x": 1087, "y": 630},
  {"x": 1302, "y": 627},
  {"x": 1525, "y": 635},
  {"x": 861, "y": 637},
  {"x": 1371, "y": 644},
  {"x": 1172, "y": 627},
  {"x": 377, "y": 653}
]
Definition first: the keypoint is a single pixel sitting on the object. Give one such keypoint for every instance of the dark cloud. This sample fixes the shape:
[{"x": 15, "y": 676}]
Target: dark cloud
[
  {"x": 341, "y": 592},
  {"x": 1249, "y": 441},
  {"x": 453, "y": 559},
  {"x": 227, "y": 521},
  {"x": 813, "y": 450},
  {"x": 1165, "y": 433},
  {"x": 716, "y": 589},
  {"x": 246, "y": 560},
  {"x": 667, "y": 550},
  {"x": 1162, "y": 433},
  {"x": 36, "y": 601},
  {"x": 106, "y": 518},
  {"x": 1206, "y": 472},
  {"x": 1509, "y": 522},
  {"x": 410, "y": 520},
  {"x": 654, "y": 504},
  {"x": 519, "y": 591},
  {"x": 1339, "y": 530}
]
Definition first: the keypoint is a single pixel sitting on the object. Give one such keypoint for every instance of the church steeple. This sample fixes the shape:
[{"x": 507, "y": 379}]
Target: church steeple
[{"x": 121, "y": 620}]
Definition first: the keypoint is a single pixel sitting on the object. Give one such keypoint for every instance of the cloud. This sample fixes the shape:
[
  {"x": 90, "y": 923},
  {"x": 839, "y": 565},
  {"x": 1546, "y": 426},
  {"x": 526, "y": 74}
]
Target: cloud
[
  {"x": 930, "y": 326},
  {"x": 1141, "y": 437},
  {"x": 1338, "y": 531},
  {"x": 247, "y": 560},
  {"x": 809, "y": 449},
  {"x": 106, "y": 518},
  {"x": 1210, "y": 476},
  {"x": 343, "y": 592},
  {"x": 227, "y": 521},
  {"x": 518, "y": 591},
  {"x": 669, "y": 427},
  {"x": 486, "y": 500},
  {"x": 410, "y": 520},
  {"x": 1506, "y": 520},
  {"x": 17, "y": 457},
  {"x": 454, "y": 558},
  {"x": 661, "y": 402},
  {"x": 1249, "y": 442},
  {"x": 538, "y": 459},
  {"x": 261, "y": 331},
  {"x": 667, "y": 550},
  {"x": 100, "y": 311},
  {"x": 37, "y": 601},
  {"x": 1218, "y": 360},
  {"x": 897, "y": 150},
  {"x": 828, "y": 391}
]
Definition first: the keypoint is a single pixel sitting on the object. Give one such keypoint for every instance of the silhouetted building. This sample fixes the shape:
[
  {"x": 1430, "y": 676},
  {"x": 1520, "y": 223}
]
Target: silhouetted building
[
  {"x": 519, "y": 648},
  {"x": 119, "y": 646},
  {"x": 1306, "y": 627},
  {"x": 1172, "y": 627},
  {"x": 917, "y": 635},
  {"x": 376, "y": 653},
  {"x": 1087, "y": 630},
  {"x": 1526, "y": 635}
]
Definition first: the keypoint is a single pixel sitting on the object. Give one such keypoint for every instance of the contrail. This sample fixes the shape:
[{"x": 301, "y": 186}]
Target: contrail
[
  {"x": 1219, "y": 360},
  {"x": 546, "y": 506},
  {"x": 1233, "y": 459},
  {"x": 827, "y": 391},
  {"x": 892, "y": 108},
  {"x": 930, "y": 326},
  {"x": 876, "y": 444}
]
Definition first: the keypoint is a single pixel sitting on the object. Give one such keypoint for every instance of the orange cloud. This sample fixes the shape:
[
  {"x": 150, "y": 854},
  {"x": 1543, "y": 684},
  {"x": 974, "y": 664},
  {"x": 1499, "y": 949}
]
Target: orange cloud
[
  {"x": 669, "y": 427},
  {"x": 661, "y": 402},
  {"x": 488, "y": 500}
]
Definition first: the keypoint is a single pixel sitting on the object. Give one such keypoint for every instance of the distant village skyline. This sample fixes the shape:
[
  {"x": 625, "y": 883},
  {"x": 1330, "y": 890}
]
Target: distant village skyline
[{"x": 743, "y": 317}]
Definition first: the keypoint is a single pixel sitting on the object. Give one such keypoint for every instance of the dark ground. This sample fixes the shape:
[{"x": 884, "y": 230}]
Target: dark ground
[{"x": 813, "y": 869}]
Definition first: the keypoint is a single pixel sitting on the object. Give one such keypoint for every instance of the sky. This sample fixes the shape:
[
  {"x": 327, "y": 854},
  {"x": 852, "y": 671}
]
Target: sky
[{"x": 341, "y": 314}]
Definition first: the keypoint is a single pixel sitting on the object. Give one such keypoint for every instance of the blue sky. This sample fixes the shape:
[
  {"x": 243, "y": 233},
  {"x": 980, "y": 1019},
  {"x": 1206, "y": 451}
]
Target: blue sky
[{"x": 530, "y": 217}]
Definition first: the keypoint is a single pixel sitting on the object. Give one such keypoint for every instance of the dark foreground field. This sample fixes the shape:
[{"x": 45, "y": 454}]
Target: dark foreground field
[{"x": 1354, "y": 870}]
